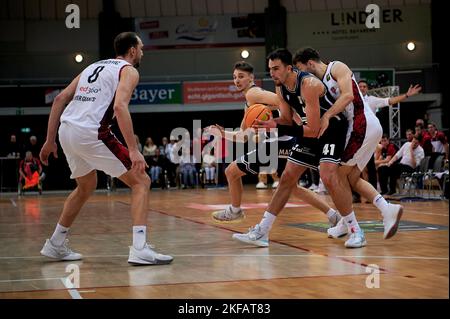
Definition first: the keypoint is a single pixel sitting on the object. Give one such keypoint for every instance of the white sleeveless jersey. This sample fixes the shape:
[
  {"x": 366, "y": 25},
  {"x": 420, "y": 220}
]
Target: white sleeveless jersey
[
  {"x": 359, "y": 104},
  {"x": 92, "y": 103}
]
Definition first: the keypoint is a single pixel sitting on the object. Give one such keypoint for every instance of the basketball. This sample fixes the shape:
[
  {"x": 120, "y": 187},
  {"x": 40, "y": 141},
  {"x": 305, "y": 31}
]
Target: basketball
[{"x": 256, "y": 112}]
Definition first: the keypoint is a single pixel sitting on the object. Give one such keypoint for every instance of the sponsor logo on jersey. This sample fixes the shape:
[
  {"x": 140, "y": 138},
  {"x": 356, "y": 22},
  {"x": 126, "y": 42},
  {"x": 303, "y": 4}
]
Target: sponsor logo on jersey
[
  {"x": 89, "y": 90},
  {"x": 116, "y": 62},
  {"x": 81, "y": 98},
  {"x": 328, "y": 77}
]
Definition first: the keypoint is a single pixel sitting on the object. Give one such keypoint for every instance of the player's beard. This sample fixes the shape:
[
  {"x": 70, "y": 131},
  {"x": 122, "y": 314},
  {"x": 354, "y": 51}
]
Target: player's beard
[{"x": 137, "y": 63}]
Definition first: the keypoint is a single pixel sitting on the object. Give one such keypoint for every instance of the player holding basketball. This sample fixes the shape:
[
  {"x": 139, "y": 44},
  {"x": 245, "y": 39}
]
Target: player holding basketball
[
  {"x": 244, "y": 81},
  {"x": 102, "y": 91},
  {"x": 309, "y": 97},
  {"x": 364, "y": 133}
]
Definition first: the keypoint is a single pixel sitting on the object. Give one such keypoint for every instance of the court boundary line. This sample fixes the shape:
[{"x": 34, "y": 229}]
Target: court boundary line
[{"x": 183, "y": 283}]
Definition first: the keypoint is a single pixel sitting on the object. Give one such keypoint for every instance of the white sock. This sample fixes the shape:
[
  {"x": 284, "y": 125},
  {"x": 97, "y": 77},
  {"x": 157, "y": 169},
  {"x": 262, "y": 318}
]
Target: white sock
[
  {"x": 351, "y": 222},
  {"x": 139, "y": 236},
  {"x": 60, "y": 235},
  {"x": 235, "y": 210},
  {"x": 381, "y": 204},
  {"x": 267, "y": 221}
]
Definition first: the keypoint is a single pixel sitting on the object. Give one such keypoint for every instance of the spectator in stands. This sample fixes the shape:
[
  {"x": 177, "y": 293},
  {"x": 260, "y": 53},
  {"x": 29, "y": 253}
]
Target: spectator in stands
[
  {"x": 171, "y": 164},
  {"x": 376, "y": 103},
  {"x": 149, "y": 150},
  {"x": 262, "y": 180},
  {"x": 424, "y": 139},
  {"x": 138, "y": 143},
  {"x": 383, "y": 156},
  {"x": 163, "y": 146},
  {"x": 420, "y": 122},
  {"x": 438, "y": 140},
  {"x": 209, "y": 165},
  {"x": 197, "y": 147},
  {"x": 187, "y": 169},
  {"x": 33, "y": 146},
  {"x": 223, "y": 148},
  {"x": 13, "y": 149},
  {"x": 157, "y": 165},
  {"x": 30, "y": 170},
  {"x": 410, "y": 155},
  {"x": 409, "y": 135}
]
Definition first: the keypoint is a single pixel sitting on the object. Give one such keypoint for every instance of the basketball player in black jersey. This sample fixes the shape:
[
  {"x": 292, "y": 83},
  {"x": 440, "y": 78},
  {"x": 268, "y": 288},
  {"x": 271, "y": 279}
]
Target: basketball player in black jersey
[
  {"x": 307, "y": 96},
  {"x": 243, "y": 78}
]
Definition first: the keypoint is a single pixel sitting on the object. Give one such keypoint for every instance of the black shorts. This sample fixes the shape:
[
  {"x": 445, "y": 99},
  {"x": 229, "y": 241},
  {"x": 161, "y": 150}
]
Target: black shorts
[
  {"x": 251, "y": 163},
  {"x": 305, "y": 153},
  {"x": 332, "y": 142},
  {"x": 310, "y": 152}
]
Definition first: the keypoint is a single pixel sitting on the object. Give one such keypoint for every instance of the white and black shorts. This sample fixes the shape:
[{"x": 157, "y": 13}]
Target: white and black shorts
[{"x": 85, "y": 152}]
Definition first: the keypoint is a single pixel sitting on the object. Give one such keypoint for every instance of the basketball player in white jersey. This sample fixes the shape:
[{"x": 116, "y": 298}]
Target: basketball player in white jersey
[
  {"x": 243, "y": 78},
  {"x": 364, "y": 133},
  {"x": 102, "y": 91}
]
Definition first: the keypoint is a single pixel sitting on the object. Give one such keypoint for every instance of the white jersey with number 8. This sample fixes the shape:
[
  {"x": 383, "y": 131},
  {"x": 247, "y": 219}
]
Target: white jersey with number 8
[{"x": 92, "y": 103}]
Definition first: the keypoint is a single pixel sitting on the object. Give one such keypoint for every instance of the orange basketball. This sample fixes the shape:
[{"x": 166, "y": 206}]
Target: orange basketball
[{"x": 256, "y": 112}]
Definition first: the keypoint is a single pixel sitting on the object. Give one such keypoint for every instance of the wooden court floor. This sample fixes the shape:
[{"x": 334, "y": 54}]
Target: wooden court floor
[{"x": 301, "y": 261}]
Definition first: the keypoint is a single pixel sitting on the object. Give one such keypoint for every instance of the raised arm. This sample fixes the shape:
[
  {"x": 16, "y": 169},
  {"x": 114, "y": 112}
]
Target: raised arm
[{"x": 413, "y": 90}]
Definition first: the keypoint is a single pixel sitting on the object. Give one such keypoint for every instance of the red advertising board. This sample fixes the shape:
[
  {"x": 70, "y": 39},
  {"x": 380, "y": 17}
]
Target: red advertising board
[{"x": 212, "y": 92}]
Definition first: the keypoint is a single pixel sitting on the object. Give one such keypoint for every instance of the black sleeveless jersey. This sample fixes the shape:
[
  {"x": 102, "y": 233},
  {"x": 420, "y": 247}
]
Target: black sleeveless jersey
[{"x": 295, "y": 100}]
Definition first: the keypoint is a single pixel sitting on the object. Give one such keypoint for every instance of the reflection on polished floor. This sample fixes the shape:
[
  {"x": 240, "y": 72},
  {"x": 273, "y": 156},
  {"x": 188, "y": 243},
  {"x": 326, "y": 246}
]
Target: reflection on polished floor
[{"x": 301, "y": 261}]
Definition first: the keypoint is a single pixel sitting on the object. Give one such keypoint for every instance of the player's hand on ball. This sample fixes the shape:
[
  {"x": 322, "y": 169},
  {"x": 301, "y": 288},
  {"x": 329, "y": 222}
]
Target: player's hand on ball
[{"x": 269, "y": 124}]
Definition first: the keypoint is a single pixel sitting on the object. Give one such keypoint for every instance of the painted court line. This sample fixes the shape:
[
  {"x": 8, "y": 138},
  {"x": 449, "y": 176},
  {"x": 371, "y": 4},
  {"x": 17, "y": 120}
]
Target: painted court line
[
  {"x": 95, "y": 288},
  {"x": 13, "y": 202},
  {"x": 184, "y": 255},
  {"x": 25, "y": 280},
  {"x": 399, "y": 257}
]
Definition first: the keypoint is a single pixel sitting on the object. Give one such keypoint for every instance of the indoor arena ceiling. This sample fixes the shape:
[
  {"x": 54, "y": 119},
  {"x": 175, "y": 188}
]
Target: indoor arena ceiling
[{"x": 55, "y": 9}]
